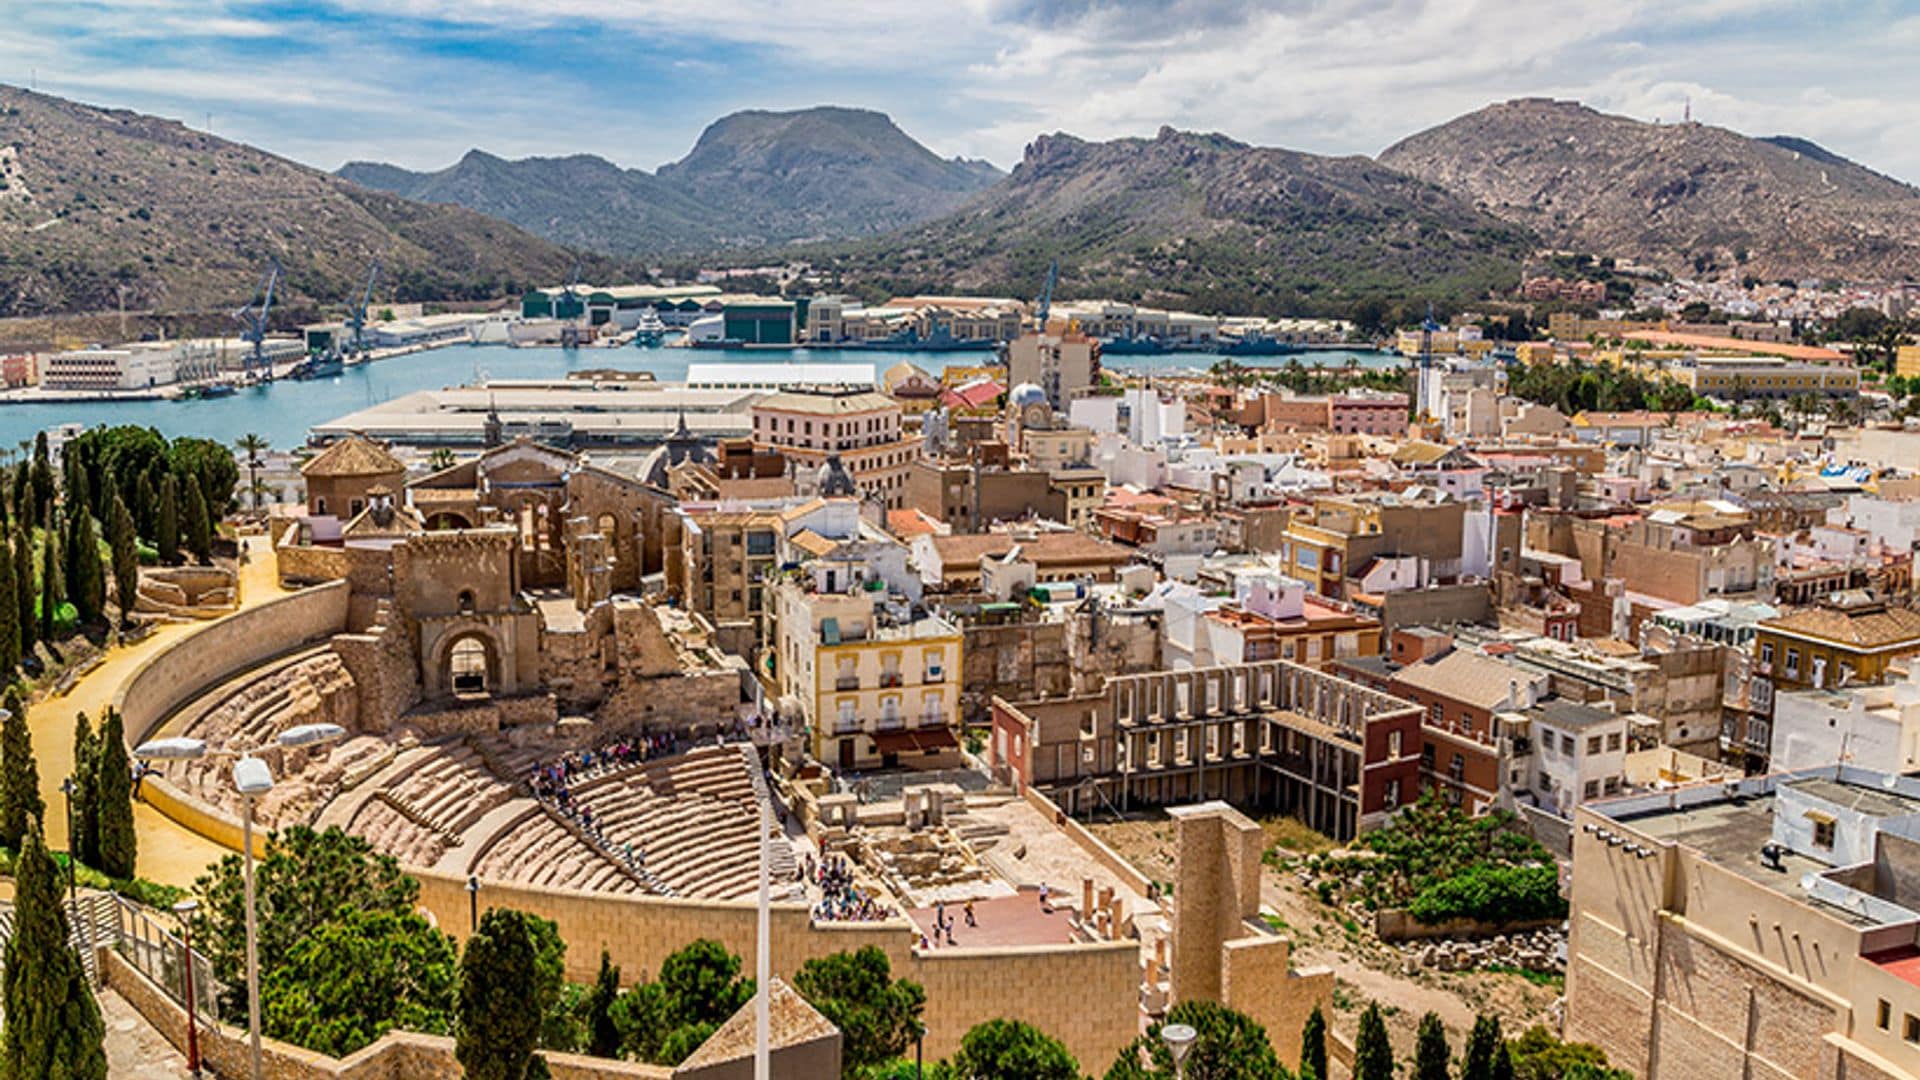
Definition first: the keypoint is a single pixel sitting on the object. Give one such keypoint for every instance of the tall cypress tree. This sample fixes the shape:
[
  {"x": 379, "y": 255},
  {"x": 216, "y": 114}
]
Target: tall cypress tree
[
  {"x": 84, "y": 844},
  {"x": 41, "y": 479},
  {"x": 166, "y": 528},
  {"x": 53, "y": 590},
  {"x": 1483, "y": 1046},
  {"x": 53, "y": 1026},
  {"x": 113, "y": 793},
  {"x": 86, "y": 577},
  {"x": 199, "y": 523},
  {"x": 1430, "y": 1051},
  {"x": 9, "y": 612},
  {"x": 497, "y": 1023},
  {"x": 146, "y": 508},
  {"x": 603, "y": 1034},
  {"x": 1313, "y": 1046},
  {"x": 1372, "y": 1053},
  {"x": 126, "y": 560},
  {"x": 26, "y": 591},
  {"x": 22, "y": 492},
  {"x": 20, "y": 804}
]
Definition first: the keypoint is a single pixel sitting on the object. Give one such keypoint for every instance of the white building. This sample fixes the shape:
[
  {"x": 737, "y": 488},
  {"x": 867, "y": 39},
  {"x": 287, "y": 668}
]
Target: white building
[
  {"x": 1580, "y": 753},
  {"x": 1874, "y": 727},
  {"x": 137, "y": 365}
]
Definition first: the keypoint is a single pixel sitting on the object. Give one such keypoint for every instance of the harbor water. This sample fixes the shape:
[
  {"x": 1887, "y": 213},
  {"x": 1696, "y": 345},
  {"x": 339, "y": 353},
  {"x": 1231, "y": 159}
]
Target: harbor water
[{"x": 284, "y": 411}]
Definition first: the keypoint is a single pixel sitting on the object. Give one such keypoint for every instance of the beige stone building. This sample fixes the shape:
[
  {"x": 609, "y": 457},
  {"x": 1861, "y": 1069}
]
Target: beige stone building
[{"x": 1768, "y": 928}]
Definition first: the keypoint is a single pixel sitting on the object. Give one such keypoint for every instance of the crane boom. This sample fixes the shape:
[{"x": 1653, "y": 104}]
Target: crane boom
[
  {"x": 1045, "y": 304},
  {"x": 254, "y": 325},
  {"x": 357, "y": 319}
]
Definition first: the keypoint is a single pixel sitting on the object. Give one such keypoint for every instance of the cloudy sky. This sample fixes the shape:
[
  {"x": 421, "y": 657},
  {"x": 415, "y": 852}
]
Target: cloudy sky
[{"x": 418, "y": 82}]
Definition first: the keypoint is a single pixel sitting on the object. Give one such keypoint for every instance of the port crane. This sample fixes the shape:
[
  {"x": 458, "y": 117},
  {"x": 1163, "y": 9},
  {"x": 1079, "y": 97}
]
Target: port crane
[
  {"x": 254, "y": 324},
  {"x": 569, "y": 333},
  {"x": 357, "y": 318},
  {"x": 1044, "y": 305}
]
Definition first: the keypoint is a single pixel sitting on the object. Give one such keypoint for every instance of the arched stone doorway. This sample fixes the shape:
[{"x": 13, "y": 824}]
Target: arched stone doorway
[{"x": 470, "y": 666}]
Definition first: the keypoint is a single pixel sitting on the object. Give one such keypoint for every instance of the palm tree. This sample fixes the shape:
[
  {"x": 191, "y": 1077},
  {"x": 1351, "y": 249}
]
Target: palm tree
[{"x": 253, "y": 445}]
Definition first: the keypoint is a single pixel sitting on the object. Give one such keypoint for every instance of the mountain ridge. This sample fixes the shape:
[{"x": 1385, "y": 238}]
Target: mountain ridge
[
  {"x": 1688, "y": 198},
  {"x": 754, "y": 178}
]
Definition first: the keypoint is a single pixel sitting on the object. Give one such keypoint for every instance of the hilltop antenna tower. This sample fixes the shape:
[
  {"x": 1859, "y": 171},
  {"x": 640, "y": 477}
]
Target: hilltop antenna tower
[{"x": 1686, "y": 111}]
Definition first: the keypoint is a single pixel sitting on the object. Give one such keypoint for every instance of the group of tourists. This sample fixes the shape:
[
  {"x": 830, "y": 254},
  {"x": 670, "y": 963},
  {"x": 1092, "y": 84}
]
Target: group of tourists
[
  {"x": 554, "y": 780},
  {"x": 840, "y": 899}
]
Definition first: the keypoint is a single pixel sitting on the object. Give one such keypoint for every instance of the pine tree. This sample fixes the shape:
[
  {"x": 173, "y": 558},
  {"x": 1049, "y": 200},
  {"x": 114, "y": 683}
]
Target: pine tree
[
  {"x": 1313, "y": 1046},
  {"x": 53, "y": 591},
  {"x": 603, "y": 1035},
  {"x": 20, "y": 803},
  {"x": 1430, "y": 1052},
  {"x": 1372, "y": 1053},
  {"x": 497, "y": 1024},
  {"x": 84, "y": 844},
  {"x": 53, "y": 1026},
  {"x": 9, "y": 613},
  {"x": 26, "y": 592},
  {"x": 126, "y": 560},
  {"x": 166, "y": 527},
  {"x": 199, "y": 526},
  {"x": 119, "y": 845},
  {"x": 1483, "y": 1046}
]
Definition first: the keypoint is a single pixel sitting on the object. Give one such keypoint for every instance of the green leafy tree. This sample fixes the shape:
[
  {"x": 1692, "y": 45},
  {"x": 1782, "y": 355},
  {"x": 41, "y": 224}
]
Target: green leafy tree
[
  {"x": 304, "y": 880},
  {"x": 1483, "y": 1044},
  {"x": 1430, "y": 1052},
  {"x": 503, "y": 998},
  {"x": 53, "y": 1027},
  {"x": 1229, "y": 1046},
  {"x": 664, "y": 1020},
  {"x": 212, "y": 466},
  {"x": 199, "y": 523},
  {"x": 126, "y": 559},
  {"x": 1372, "y": 1053},
  {"x": 26, "y": 592},
  {"x": 877, "y": 1014},
  {"x": 1538, "y": 1054},
  {"x": 358, "y": 976},
  {"x": 84, "y": 844},
  {"x": 20, "y": 804},
  {"x": 1313, "y": 1046},
  {"x": 166, "y": 527},
  {"x": 603, "y": 1035},
  {"x": 1008, "y": 1050},
  {"x": 118, "y": 842}
]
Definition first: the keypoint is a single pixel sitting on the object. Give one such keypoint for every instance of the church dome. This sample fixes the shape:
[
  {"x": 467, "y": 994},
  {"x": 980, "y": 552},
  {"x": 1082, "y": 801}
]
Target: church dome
[{"x": 1026, "y": 394}]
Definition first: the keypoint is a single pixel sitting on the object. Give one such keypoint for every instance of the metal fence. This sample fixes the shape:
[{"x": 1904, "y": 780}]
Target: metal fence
[{"x": 148, "y": 944}]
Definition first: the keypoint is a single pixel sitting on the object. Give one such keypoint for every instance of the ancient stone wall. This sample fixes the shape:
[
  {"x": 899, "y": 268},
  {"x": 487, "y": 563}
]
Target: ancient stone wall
[
  {"x": 182, "y": 670},
  {"x": 381, "y": 662},
  {"x": 300, "y": 565},
  {"x": 1017, "y": 661}
]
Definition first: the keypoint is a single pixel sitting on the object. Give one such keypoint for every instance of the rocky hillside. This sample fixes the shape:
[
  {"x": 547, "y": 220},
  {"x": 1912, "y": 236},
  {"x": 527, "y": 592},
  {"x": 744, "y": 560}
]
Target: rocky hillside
[
  {"x": 1203, "y": 221},
  {"x": 93, "y": 201},
  {"x": 1684, "y": 197},
  {"x": 752, "y": 179}
]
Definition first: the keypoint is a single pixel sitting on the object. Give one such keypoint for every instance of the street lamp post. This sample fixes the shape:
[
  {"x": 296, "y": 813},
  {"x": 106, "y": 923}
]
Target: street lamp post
[
  {"x": 1179, "y": 1039},
  {"x": 252, "y": 778},
  {"x": 473, "y": 905},
  {"x": 80, "y": 925},
  {"x": 185, "y": 910},
  {"x": 919, "y": 1046}
]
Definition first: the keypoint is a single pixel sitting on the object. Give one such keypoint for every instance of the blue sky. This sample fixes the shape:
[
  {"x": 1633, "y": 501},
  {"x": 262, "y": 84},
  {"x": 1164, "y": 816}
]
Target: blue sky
[{"x": 418, "y": 82}]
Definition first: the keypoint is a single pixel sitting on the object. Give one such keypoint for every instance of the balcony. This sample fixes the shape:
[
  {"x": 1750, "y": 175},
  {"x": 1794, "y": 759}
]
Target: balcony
[
  {"x": 889, "y": 722},
  {"x": 934, "y": 675},
  {"x": 847, "y": 682},
  {"x": 891, "y": 679}
]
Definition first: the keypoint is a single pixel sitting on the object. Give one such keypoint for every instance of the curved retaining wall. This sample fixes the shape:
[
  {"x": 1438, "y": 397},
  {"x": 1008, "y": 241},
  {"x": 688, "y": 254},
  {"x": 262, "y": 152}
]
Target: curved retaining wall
[{"x": 178, "y": 673}]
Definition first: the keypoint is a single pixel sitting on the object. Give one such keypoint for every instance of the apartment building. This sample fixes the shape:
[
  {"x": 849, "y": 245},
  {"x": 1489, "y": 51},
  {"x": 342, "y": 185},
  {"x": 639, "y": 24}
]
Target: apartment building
[
  {"x": 1342, "y": 533},
  {"x": 1579, "y": 754},
  {"x": 1737, "y": 378},
  {"x": 1062, "y": 365},
  {"x": 860, "y": 427},
  {"x": 1765, "y": 927},
  {"x": 1876, "y": 726},
  {"x": 875, "y": 680},
  {"x": 1271, "y": 735}
]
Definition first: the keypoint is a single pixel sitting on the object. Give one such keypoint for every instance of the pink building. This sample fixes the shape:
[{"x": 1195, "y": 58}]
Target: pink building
[{"x": 1370, "y": 414}]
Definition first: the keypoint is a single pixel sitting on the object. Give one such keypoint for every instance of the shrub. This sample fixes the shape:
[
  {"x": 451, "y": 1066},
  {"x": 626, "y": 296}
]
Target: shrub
[{"x": 1492, "y": 893}]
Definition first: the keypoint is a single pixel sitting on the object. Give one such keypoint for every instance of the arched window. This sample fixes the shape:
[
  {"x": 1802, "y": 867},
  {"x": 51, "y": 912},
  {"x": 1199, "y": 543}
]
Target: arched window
[
  {"x": 466, "y": 603},
  {"x": 467, "y": 666}
]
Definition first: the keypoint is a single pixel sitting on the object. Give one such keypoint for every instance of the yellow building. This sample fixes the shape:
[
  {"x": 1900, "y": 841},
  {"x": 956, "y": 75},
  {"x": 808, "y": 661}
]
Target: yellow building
[
  {"x": 874, "y": 691},
  {"x": 1907, "y": 361},
  {"x": 1764, "y": 377},
  {"x": 1847, "y": 639}
]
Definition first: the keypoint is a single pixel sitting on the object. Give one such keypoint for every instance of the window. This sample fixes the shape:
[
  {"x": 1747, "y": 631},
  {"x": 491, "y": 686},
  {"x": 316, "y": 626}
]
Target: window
[
  {"x": 1593, "y": 744},
  {"x": 1393, "y": 745},
  {"x": 1910, "y": 1025},
  {"x": 1766, "y": 652},
  {"x": 1436, "y": 714},
  {"x": 1823, "y": 833},
  {"x": 1613, "y": 741},
  {"x": 1566, "y": 744},
  {"x": 1393, "y": 797},
  {"x": 1592, "y": 789},
  {"x": 1883, "y": 1017},
  {"x": 1793, "y": 663}
]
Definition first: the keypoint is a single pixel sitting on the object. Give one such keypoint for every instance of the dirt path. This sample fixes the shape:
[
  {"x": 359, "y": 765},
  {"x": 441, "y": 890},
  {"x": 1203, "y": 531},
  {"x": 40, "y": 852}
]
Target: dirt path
[
  {"x": 168, "y": 853},
  {"x": 135, "y": 1051}
]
